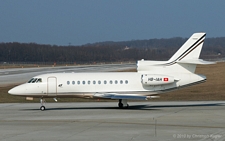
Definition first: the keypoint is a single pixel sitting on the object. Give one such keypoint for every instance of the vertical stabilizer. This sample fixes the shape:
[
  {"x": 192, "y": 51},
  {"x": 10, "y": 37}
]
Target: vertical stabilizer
[
  {"x": 183, "y": 61},
  {"x": 191, "y": 49}
]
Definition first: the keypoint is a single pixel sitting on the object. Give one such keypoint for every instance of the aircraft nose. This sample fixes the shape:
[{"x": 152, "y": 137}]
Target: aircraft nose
[
  {"x": 12, "y": 91},
  {"x": 16, "y": 91}
]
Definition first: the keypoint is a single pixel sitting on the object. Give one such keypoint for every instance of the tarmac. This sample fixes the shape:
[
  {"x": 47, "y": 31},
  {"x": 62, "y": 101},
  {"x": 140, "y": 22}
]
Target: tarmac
[{"x": 104, "y": 121}]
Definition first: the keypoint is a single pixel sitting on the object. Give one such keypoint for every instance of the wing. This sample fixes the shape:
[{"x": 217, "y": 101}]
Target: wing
[{"x": 123, "y": 96}]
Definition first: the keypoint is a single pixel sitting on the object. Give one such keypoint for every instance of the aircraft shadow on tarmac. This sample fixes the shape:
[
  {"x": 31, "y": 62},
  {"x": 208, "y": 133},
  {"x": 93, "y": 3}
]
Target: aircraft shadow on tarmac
[{"x": 139, "y": 107}]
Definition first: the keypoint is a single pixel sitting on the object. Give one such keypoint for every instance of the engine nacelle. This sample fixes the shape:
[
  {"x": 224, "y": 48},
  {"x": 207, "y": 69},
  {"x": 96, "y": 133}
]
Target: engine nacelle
[{"x": 156, "y": 79}]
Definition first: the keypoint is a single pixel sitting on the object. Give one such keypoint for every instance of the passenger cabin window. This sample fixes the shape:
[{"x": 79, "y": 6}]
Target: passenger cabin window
[{"x": 39, "y": 80}]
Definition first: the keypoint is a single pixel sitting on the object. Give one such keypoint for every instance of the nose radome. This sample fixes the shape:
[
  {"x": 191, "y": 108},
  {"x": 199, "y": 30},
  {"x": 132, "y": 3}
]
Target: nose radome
[
  {"x": 16, "y": 90},
  {"x": 11, "y": 91}
]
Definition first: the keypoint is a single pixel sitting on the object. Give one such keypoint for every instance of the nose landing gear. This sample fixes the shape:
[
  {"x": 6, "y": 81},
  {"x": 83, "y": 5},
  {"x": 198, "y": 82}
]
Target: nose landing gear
[{"x": 42, "y": 108}]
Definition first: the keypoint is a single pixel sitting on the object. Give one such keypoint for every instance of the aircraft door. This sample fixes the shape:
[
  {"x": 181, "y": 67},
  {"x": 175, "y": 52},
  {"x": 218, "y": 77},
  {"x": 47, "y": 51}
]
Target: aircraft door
[{"x": 52, "y": 86}]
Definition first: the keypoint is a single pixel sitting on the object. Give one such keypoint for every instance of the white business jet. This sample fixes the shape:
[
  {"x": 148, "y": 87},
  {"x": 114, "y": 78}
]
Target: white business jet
[{"x": 151, "y": 78}]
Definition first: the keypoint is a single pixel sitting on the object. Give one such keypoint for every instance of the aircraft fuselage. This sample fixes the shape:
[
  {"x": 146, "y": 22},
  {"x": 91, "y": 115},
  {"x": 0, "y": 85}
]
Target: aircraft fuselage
[{"x": 88, "y": 84}]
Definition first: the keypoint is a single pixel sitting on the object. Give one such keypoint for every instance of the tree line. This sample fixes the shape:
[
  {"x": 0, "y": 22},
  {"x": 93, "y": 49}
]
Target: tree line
[{"x": 152, "y": 49}]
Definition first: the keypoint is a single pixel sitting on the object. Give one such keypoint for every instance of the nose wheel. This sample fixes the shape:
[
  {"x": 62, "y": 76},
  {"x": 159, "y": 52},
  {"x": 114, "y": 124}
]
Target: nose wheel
[
  {"x": 42, "y": 108},
  {"x": 42, "y": 101}
]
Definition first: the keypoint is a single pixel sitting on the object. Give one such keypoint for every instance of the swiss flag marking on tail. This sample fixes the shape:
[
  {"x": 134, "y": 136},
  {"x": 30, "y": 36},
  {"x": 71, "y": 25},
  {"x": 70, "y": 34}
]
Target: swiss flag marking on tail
[{"x": 166, "y": 79}]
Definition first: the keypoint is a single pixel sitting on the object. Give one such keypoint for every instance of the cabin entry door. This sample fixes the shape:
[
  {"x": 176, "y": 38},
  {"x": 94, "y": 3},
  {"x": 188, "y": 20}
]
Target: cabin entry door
[{"x": 52, "y": 86}]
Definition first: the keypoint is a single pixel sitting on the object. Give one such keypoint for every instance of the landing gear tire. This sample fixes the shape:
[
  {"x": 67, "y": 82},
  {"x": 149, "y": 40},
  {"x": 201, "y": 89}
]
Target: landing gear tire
[
  {"x": 120, "y": 105},
  {"x": 123, "y": 103},
  {"x": 42, "y": 108}
]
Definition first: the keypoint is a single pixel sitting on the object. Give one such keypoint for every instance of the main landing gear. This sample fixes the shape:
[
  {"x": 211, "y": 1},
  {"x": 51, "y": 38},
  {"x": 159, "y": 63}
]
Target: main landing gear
[
  {"x": 42, "y": 108},
  {"x": 123, "y": 103}
]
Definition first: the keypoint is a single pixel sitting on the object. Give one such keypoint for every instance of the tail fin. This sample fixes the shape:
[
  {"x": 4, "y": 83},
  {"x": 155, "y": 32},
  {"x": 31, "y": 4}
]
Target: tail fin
[
  {"x": 187, "y": 56},
  {"x": 191, "y": 49},
  {"x": 184, "y": 60}
]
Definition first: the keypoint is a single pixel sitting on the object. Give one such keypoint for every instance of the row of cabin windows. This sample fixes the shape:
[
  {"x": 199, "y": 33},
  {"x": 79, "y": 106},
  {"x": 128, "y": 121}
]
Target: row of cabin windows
[{"x": 97, "y": 82}]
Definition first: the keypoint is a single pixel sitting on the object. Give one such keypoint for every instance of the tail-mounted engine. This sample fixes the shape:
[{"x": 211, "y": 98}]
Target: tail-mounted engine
[{"x": 155, "y": 79}]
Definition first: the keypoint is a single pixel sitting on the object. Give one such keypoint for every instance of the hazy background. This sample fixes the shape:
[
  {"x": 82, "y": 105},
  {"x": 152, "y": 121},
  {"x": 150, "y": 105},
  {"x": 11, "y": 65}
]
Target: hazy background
[{"x": 78, "y": 22}]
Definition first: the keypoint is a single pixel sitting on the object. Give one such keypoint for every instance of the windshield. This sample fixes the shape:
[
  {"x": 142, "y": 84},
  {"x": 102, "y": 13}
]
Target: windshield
[
  {"x": 35, "y": 80},
  {"x": 30, "y": 80},
  {"x": 39, "y": 80}
]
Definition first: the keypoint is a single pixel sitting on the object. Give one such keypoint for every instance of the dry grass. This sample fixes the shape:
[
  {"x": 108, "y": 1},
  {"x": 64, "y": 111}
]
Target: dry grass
[{"x": 213, "y": 89}]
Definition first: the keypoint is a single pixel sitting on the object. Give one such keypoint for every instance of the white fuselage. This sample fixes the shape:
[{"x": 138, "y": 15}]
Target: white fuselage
[{"x": 88, "y": 84}]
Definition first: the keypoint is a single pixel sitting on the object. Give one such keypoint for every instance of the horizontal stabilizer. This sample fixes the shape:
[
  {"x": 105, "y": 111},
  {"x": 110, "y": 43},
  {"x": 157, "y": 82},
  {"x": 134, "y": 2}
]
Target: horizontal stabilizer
[{"x": 195, "y": 61}]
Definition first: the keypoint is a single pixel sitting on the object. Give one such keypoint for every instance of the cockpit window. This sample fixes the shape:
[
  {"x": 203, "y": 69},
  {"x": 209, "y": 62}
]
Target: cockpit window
[
  {"x": 30, "y": 80},
  {"x": 34, "y": 80},
  {"x": 39, "y": 80}
]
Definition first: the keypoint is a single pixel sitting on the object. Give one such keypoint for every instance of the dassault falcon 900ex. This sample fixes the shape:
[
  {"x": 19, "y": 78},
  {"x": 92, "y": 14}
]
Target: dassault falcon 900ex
[{"x": 151, "y": 78}]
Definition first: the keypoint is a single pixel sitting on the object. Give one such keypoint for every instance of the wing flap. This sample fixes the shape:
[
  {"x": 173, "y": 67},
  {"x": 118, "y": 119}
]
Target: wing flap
[
  {"x": 132, "y": 97},
  {"x": 120, "y": 96}
]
